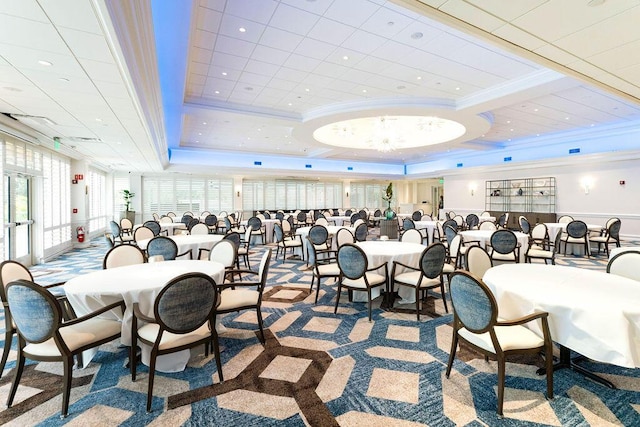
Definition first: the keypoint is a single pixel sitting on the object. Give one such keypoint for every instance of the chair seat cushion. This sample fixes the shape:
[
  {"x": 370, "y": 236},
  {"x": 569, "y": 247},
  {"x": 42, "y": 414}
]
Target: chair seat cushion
[
  {"x": 329, "y": 269},
  {"x": 600, "y": 239},
  {"x": 150, "y": 331},
  {"x": 322, "y": 247},
  {"x": 232, "y": 298},
  {"x": 510, "y": 338},
  {"x": 289, "y": 243},
  {"x": 503, "y": 257},
  {"x": 573, "y": 239},
  {"x": 448, "y": 268},
  {"x": 411, "y": 278},
  {"x": 539, "y": 253},
  {"x": 373, "y": 278},
  {"x": 76, "y": 336}
]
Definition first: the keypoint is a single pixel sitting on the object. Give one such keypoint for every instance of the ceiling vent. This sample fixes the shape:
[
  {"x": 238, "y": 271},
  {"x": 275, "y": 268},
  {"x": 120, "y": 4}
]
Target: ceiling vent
[
  {"x": 82, "y": 139},
  {"x": 45, "y": 121}
]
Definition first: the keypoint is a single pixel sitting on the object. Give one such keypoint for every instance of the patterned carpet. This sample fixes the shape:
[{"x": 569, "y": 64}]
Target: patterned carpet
[{"x": 318, "y": 369}]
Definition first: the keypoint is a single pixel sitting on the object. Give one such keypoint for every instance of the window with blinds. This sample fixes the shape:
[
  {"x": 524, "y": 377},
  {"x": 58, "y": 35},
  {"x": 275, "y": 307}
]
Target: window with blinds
[
  {"x": 368, "y": 195},
  {"x": 56, "y": 193},
  {"x": 290, "y": 195},
  {"x": 178, "y": 194}
]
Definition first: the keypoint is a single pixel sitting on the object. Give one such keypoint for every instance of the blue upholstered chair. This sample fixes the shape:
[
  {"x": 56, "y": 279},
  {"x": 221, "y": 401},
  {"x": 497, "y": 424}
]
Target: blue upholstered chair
[
  {"x": 610, "y": 235},
  {"x": 43, "y": 336},
  {"x": 183, "y": 317},
  {"x": 319, "y": 236},
  {"x": 472, "y": 221},
  {"x": 117, "y": 236},
  {"x": 355, "y": 274},
  {"x": 416, "y": 216},
  {"x": 361, "y": 232},
  {"x": 504, "y": 246},
  {"x": 324, "y": 267},
  {"x": 475, "y": 322},
  {"x": 153, "y": 226},
  {"x": 165, "y": 247},
  {"x": 577, "y": 233},
  {"x": 246, "y": 295},
  {"x": 212, "y": 222},
  {"x": 427, "y": 276},
  {"x": 257, "y": 228}
]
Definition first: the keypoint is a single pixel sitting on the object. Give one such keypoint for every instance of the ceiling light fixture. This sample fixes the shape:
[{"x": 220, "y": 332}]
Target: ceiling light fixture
[
  {"x": 388, "y": 133},
  {"x": 346, "y": 58},
  {"x": 242, "y": 29},
  {"x": 46, "y": 63}
]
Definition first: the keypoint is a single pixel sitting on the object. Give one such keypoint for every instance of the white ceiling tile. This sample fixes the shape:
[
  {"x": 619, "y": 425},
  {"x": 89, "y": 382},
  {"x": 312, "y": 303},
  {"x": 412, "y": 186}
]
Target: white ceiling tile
[
  {"x": 363, "y": 42},
  {"x": 198, "y": 68},
  {"x": 230, "y": 27},
  {"x": 315, "y": 49},
  {"x": 208, "y": 20},
  {"x": 386, "y": 22},
  {"x": 618, "y": 57},
  {"x": 318, "y": 81},
  {"x": 28, "y": 9},
  {"x": 231, "y": 62},
  {"x": 87, "y": 45},
  {"x": 283, "y": 84},
  {"x": 200, "y": 55},
  {"x": 234, "y": 46},
  {"x": 254, "y": 79},
  {"x": 472, "y": 15},
  {"x": 269, "y": 55},
  {"x": 330, "y": 70},
  {"x": 519, "y": 37},
  {"x": 259, "y": 67},
  {"x": 393, "y": 51},
  {"x": 255, "y": 10},
  {"x": 279, "y": 39},
  {"x": 507, "y": 10},
  {"x": 29, "y": 34},
  {"x": 213, "y": 4},
  {"x": 293, "y": 20},
  {"x": 204, "y": 39},
  {"x": 318, "y": 7},
  {"x": 197, "y": 79},
  {"x": 331, "y": 32},
  {"x": 302, "y": 63},
  {"x": 353, "y": 12},
  {"x": 224, "y": 73},
  {"x": 556, "y": 54},
  {"x": 72, "y": 14},
  {"x": 291, "y": 75}
]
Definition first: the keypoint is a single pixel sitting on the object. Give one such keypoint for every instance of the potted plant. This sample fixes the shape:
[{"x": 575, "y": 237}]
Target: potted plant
[
  {"x": 128, "y": 213},
  {"x": 387, "y": 196}
]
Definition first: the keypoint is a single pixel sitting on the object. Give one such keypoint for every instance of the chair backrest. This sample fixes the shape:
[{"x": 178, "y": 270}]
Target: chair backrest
[
  {"x": 322, "y": 221},
  {"x": 426, "y": 217},
  {"x": 344, "y": 235},
  {"x": 318, "y": 234},
  {"x": 478, "y": 260},
  {"x": 450, "y": 232},
  {"x": 459, "y": 221},
  {"x": 193, "y": 222},
  {"x": 454, "y": 246},
  {"x": 263, "y": 272},
  {"x": 358, "y": 222},
  {"x": 473, "y": 303},
  {"x": 485, "y": 213},
  {"x": 354, "y": 217},
  {"x": 361, "y": 232},
  {"x": 224, "y": 252},
  {"x": 352, "y": 261},
  {"x": 450, "y": 223},
  {"x": 565, "y": 219},
  {"x": 540, "y": 232},
  {"x": 166, "y": 220},
  {"x": 504, "y": 241},
  {"x": 125, "y": 223},
  {"x": 186, "y": 219},
  {"x": 286, "y": 226},
  {"x": 223, "y": 214},
  {"x": 188, "y": 213},
  {"x": 408, "y": 224},
  {"x": 525, "y": 227},
  {"x": 171, "y": 214},
  {"x": 122, "y": 255},
  {"x": 211, "y": 220},
  {"x": 34, "y": 310},
  {"x": 186, "y": 303},
  {"x": 161, "y": 245},
  {"x": 609, "y": 221},
  {"x": 301, "y": 217},
  {"x": 432, "y": 260},
  {"x": 487, "y": 225},
  {"x": 613, "y": 229},
  {"x": 280, "y": 215},
  {"x": 502, "y": 220},
  {"x": 267, "y": 215},
  {"x": 233, "y": 237},
  {"x": 115, "y": 229},
  {"x": 199, "y": 228},
  {"x": 155, "y": 216},
  {"x": 12, "y": 270},
  {"x": 625, "y": 264},
  {"x": 577, "y": 229},
  {"x": 412, "y": 235},
  {"x": 416, "y": 216},
  {"x": 348, "y": 212},
  {"x": 153, "y": 226},
  {"x": 227, "y": 223},
  {"x": 143, "y": 233},
  {"x": 255, "y": 223},
  {"x": 278, "y": 232},
  {"x": 377, "y": 213},
  {"x": 472, "y": 221}
]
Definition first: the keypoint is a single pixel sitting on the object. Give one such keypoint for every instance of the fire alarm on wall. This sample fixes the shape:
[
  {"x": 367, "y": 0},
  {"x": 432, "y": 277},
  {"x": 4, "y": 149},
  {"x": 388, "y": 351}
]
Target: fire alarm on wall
[{"x": 621, "y": 182}]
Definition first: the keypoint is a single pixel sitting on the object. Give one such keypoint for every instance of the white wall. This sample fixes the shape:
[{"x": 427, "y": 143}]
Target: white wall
[{"x": 606, "y": 197}]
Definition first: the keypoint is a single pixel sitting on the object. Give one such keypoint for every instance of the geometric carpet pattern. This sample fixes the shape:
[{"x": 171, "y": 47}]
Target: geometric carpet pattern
[{"x": 318, "y": 369}]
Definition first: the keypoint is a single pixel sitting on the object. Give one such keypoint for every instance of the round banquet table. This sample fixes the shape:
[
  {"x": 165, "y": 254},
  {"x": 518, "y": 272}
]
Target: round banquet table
[
  {"x": 572, "y": 248},
  {"x": 331, "y": 229},
  {"x": 429, "y": 226},
  {"x": 591, "y": 312},
  {"x": 378, "y": 252},
  {"x": 139, "y": 283},
  {"x": 484, "y": 237},
  {"x": 615, "y": 251},
  {"x": 191, "y": 242},
  {"x": 338, "y": 220},
  {"x": 268, "y": 228}
]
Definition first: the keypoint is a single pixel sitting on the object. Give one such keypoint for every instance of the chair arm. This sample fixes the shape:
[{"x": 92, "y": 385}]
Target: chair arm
[
  {"x": 386, "y": 269},
  {"x": 200, "y": 250},
  {"x": 53, "y": 285},
  {"x": 522, "y": 320},
  {"x": 95, "y": 313},
  {"x": 189, "y": 252},
  {"x": 471, "y": 242},
  {"x": 140, "y": 315},
  {"x": 404, "y": 265}
]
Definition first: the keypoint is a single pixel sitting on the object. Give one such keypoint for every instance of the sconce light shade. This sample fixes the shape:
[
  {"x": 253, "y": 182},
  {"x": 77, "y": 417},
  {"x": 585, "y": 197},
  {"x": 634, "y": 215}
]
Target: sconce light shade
[
  {"x": 347, "y": 194},
  {"x": 238, "y": 193}
]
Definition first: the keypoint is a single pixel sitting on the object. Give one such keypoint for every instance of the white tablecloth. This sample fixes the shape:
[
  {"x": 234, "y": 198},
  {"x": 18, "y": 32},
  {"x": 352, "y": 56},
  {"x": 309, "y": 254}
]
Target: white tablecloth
[
  {"x": 268, "y": 228},
  {"x": 484, "y": 237},
  {"x": 378, "y": 252},
  {"x": 615, "y": 251},
  {"x": 338, "y": 220},
  {"x": 191, "y": 242},
  {"x": 592, "y": 312},
  {"x": 303, "y": 232},
  {"x": 139, "y": 283},
  {"x": 572, "y": 248},
  {"x": 429, "y": 226}
]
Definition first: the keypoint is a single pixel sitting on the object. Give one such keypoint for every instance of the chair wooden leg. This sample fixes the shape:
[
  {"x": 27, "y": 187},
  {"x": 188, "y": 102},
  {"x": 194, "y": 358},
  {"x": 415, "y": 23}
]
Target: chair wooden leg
[
  {"x": 501, "y": 378},
  {"x": 16, "y": 377},
  {"x": 418, "y": 302},
  {"x": 216, "y": 351},
  {"x": 8, "y": 338},
  {"x": 452, "y": 353},
  {"x": 152, "y": 373},
  {"x": 369, "y": 298},
  {"x": 335, "y": 310},
  {"x": 68, "y": 366},
  {"x": 317, "y": 289},
  {"x": 259, "y": 312}
]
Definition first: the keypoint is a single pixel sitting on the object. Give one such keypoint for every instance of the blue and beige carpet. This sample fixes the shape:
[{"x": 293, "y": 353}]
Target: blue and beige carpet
[{"x": 318, "y": 369}]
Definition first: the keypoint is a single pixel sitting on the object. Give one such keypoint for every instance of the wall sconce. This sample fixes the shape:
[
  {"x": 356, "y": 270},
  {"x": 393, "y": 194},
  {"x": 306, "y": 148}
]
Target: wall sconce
[
  {"x": 586, "y": 184},
  {"x": 238, "y": 193},
  {"x": 347, "y": 194},
  {"x": 472, "y": 188}
]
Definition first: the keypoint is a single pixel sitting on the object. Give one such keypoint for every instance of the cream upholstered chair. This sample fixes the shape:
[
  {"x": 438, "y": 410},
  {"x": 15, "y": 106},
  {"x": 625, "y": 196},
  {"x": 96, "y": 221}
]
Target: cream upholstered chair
[
  {"x": 610, "y": 235},
  {"x": 412, "y": 235},
  {"x": 487, "y": 225},
  {"x": 475, "y": 322},
  {"x": 126, "y": 226},
  {"x": 427, "y": 276},
  {"x": 199, "y": 229},
  {"x": 478, "y": 260},
  {"x": 43, "y": 336},
  {"x": 246, "y": 295},
  {"x": 324, "y": 267},
  {"x": 625, "y": 264},
  {"x": 355, "y": 274},
  {"x": 537, "y": 252},
  {"x": 565, "y": 219},
  {"x": 344, "y": 235},
  {"x": 286, "y": 242},
  {"x": 540, "y": 236},
  {"x": 122, "y": 255},
  {"x": 143, "y": 233},
  {"x": 183, "y": 317}
]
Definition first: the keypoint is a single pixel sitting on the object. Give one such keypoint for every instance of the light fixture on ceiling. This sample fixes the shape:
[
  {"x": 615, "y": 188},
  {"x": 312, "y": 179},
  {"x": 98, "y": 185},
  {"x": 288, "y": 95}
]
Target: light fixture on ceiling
[
  {"x": 388, "y": 133},
  {"x": 45, "y": 63}
]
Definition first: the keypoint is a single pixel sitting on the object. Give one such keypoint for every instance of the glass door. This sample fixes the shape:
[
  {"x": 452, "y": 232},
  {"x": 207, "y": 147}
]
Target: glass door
[{"x": 17, "y": 214}]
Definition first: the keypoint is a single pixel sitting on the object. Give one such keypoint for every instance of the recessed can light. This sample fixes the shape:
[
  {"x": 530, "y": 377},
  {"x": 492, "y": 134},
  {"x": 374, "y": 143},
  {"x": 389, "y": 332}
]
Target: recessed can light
[
  {"x": 242, "y": 29},
  {"x": 417, "y": 35},
  {"x": 47, "y": 63},
  {"x": 217, "y": 92},
  {"x": 224, "y": 73},
  {"x": 346, "y": 58}
]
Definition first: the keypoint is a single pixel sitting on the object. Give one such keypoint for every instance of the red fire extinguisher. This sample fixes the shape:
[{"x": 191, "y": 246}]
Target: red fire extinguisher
[{"x": 80, "y": 234}]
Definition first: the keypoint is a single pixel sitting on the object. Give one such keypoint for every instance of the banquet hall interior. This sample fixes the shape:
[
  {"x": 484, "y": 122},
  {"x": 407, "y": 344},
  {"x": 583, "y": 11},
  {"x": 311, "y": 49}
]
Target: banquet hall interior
[{"x": 451, "y": 108}]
